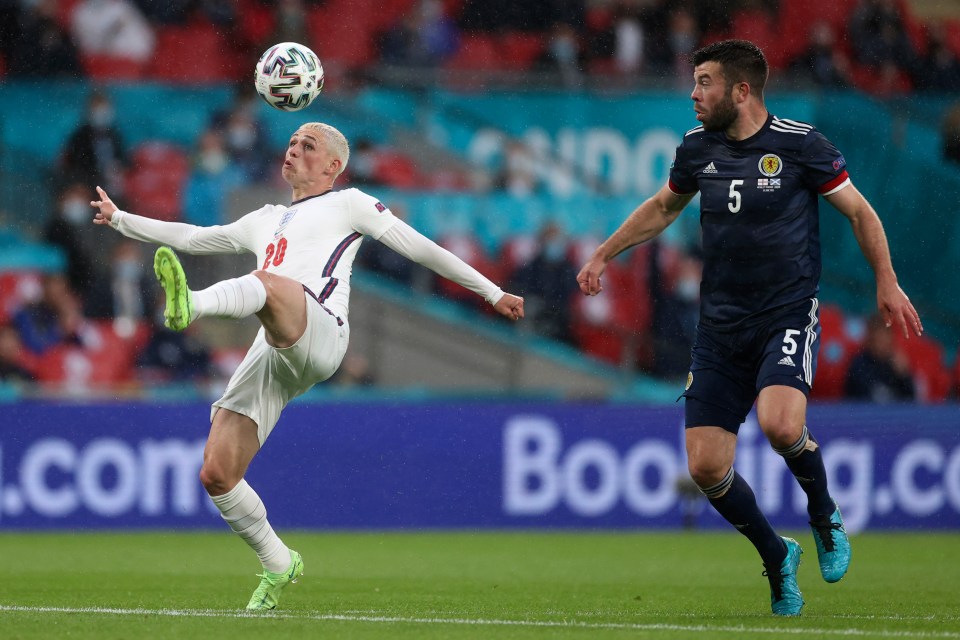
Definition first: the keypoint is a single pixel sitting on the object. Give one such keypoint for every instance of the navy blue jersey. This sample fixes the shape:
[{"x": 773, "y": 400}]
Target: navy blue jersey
[{"x": 759, "y": 209}]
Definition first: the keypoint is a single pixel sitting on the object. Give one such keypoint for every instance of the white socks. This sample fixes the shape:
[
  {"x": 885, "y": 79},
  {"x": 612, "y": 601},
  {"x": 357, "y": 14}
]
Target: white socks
[
  {"x": 244, "y": 512},
  {"x": 234, "y": 298}
]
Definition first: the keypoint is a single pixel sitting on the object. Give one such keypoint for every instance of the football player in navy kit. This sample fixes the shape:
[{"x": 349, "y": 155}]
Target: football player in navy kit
[{"x": 759, "y": 178}]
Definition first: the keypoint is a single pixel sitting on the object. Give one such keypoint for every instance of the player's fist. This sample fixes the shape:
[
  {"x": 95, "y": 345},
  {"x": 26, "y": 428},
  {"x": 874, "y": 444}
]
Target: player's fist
[
  {"x": 589, "y": 276},
  {"x": 510, "y": 306}
]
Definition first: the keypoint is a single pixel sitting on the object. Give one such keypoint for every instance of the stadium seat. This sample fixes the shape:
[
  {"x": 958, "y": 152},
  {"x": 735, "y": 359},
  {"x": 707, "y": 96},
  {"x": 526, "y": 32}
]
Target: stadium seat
[
  {"x": 396, "y": 169},
  {"x": 837, "y": 349},
  {"x": 343, "y": 32},
  {"x": 102, "y": 68},
  {"x": 156, "y": 180},
  {"x": 17, "y": 288},
  {"x": 195, "y": 54},
  {"x": 758, "y": 26},
  {"x": 519, "y": 50},
  {"x": 930, "y": 374},
  {"x": 478, "y": 52},
  {"x": 952, "y": 28},
  {"x": 256, "y": 23}
]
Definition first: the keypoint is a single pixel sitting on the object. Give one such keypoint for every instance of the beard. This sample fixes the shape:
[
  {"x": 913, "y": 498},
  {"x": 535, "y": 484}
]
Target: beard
[{"x": 722, "y": 117}]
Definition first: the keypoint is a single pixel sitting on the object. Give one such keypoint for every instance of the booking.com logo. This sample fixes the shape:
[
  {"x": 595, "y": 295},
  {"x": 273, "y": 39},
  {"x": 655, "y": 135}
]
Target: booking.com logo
[
  {"x": 591, "y": 477},
  {"x": 108, "y": 477}
]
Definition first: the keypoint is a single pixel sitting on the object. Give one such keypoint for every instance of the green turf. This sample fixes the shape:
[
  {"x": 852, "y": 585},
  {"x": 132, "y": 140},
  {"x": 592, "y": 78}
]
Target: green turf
[{"x": 469, "y": 585}]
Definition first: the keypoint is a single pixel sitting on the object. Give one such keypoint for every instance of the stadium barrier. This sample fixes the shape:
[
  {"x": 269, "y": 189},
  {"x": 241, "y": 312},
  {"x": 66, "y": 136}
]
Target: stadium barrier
[{"x": 460, "y": 465}]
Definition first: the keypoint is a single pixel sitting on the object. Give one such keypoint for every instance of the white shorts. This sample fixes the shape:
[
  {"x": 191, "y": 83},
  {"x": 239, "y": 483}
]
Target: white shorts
[{"x": 268, "y": 378}]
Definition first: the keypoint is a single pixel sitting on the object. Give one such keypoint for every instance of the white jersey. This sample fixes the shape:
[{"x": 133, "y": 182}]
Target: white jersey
[{"x": 313, "y": 241}]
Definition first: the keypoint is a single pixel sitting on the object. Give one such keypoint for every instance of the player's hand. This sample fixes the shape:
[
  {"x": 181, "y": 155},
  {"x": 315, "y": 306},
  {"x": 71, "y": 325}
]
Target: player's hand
[
  {"x": 510, "y": 306},
  {"x": 896, "y": 309},
  {"x": 105, "y": 206},
  {"x": 589, "y": 276}
]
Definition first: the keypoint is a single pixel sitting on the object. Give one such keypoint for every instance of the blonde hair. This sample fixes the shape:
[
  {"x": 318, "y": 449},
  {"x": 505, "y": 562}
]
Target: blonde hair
[{"x": 336, "y": 142}]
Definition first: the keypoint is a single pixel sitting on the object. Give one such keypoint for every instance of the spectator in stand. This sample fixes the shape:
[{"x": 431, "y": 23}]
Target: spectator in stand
[
  {"x": 53, "y": 320},
  {"x": 879, "y": 37},
  {"x": 95, "y": 153},
  {"x": 683, "y": 34},
  {"x": 363, "y": 163},
  {"x": 214, "y": 176},
  {"x": 549, "y": 284},
  {"x": 951, "y": 134},
  {"x": 354, "y": 371},
  {"x": 69, "y": 229},
  {"x": 291, "y": 23},
  {"x": 563, "y": 56},
  {"x": 823, "y": 63},
  {"x": 14, "y": 363},
  {"x": 676, "y": 310},
  {"x": 939, "y": 68},
  {"x": 126, "y": 291},
  {"x": 628, "y": 37},
  {"x": 172, "y": 356},
  {"x": 879, "y": 373},
  {"x": 519, "y": 174},
  {"x": 39, "y": 47},
  {"x": 423, "y": 37},
  {"x": 114, "y": 28},
  {"x": 222, "y": 13}
]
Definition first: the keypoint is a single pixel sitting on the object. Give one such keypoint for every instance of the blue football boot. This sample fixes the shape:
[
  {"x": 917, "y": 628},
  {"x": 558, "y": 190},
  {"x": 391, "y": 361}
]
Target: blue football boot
[
  {"x": 833, "y": 546},
  {"x": 785, "y": 596}
]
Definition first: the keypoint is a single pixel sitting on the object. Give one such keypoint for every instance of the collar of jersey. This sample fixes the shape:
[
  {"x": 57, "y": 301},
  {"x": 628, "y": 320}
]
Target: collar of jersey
[
  {"x": 746, "y": 141},
  {"x": 309, "y": 197}
]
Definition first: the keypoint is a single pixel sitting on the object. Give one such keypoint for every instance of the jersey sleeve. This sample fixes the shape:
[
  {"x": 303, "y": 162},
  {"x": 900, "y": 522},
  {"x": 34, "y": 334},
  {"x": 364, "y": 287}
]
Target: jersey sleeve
[
  {"x": 683, "y": 180},
  {"x": 368, "y": 215},
  {"x": 230, "y": 238},
  {"x": 824, "y": 166}
]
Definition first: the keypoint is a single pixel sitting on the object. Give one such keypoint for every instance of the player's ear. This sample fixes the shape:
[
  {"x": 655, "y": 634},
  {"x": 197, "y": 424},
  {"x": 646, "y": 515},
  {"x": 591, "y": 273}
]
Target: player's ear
[
  {"x": 741, "y": 91},
  {"x": 334, "y": 166}
]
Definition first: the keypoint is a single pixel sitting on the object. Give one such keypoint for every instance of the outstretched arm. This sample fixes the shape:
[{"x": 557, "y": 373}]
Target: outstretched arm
[
  {"x": 646, "y": 222},
  {"x": 892, "y": 302},
  {"x": 183, "y": 237},
  {"x": 412, "y": 245}
]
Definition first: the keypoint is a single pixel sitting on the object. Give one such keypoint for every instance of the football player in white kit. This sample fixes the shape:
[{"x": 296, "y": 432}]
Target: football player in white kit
[{"x": 300, "y": 293}]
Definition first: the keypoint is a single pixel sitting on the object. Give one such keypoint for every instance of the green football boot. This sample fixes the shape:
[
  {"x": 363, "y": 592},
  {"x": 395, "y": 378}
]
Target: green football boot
[
  {"x": 267, "y": 594},
  {"x": 785, "y": 597},
  {"x": 833, "y": 546},
  {"x": 179, "y": 311}
]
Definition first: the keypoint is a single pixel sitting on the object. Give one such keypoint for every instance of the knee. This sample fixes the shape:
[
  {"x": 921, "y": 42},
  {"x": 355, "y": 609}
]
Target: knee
[
  {"x": 780, "y": 428},
  {"x": 706, "y": 472},
  {"x": 263, "y": 276},
  {"x": 215, "y": 479}
]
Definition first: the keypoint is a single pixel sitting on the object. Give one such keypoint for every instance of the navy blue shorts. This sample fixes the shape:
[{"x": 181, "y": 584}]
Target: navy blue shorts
[{"x": 730, "y": 368}]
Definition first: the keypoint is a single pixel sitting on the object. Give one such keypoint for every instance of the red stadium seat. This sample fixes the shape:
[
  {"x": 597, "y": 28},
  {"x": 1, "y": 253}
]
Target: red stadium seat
[
  {"x": 478, "y": 52},
  {"x": 156, "y": 181},
  {"x": 930, "y": 374},
  {"x": 953, "y": 35},
  {"x": 837, "y": 349},
  {"x": 519, "y": 50},
  {"x": 342, "y": 32},
  {"x": 17, "y": 288},
  {"x": 757, "y": 26},
  {"x": 100, "y": 67},
  {"x": 195, "y": 54},
  {"x": 396, "y": 169}
]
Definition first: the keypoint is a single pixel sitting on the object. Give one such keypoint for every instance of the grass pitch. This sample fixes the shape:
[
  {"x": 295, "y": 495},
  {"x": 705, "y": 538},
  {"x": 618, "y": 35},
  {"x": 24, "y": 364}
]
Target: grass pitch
[{"x": 469, "y": 585}]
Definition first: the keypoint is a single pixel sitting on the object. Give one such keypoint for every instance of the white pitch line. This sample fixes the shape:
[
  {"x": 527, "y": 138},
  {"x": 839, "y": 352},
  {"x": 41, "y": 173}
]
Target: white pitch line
[{"x": 568, "y": 624}]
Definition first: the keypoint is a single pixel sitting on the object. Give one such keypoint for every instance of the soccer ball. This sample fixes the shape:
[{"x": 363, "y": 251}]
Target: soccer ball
[{"x": 288, "y": 76}]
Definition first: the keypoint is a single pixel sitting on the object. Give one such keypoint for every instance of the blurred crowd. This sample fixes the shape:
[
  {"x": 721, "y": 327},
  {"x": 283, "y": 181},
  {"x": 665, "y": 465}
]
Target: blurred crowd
[
  {"x": 102, "y": 319},
  {"x": 877, "y": 45}
]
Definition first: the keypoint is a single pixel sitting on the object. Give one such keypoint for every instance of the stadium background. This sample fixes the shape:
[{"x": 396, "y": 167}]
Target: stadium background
[{"x": 491, "y": 139}]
